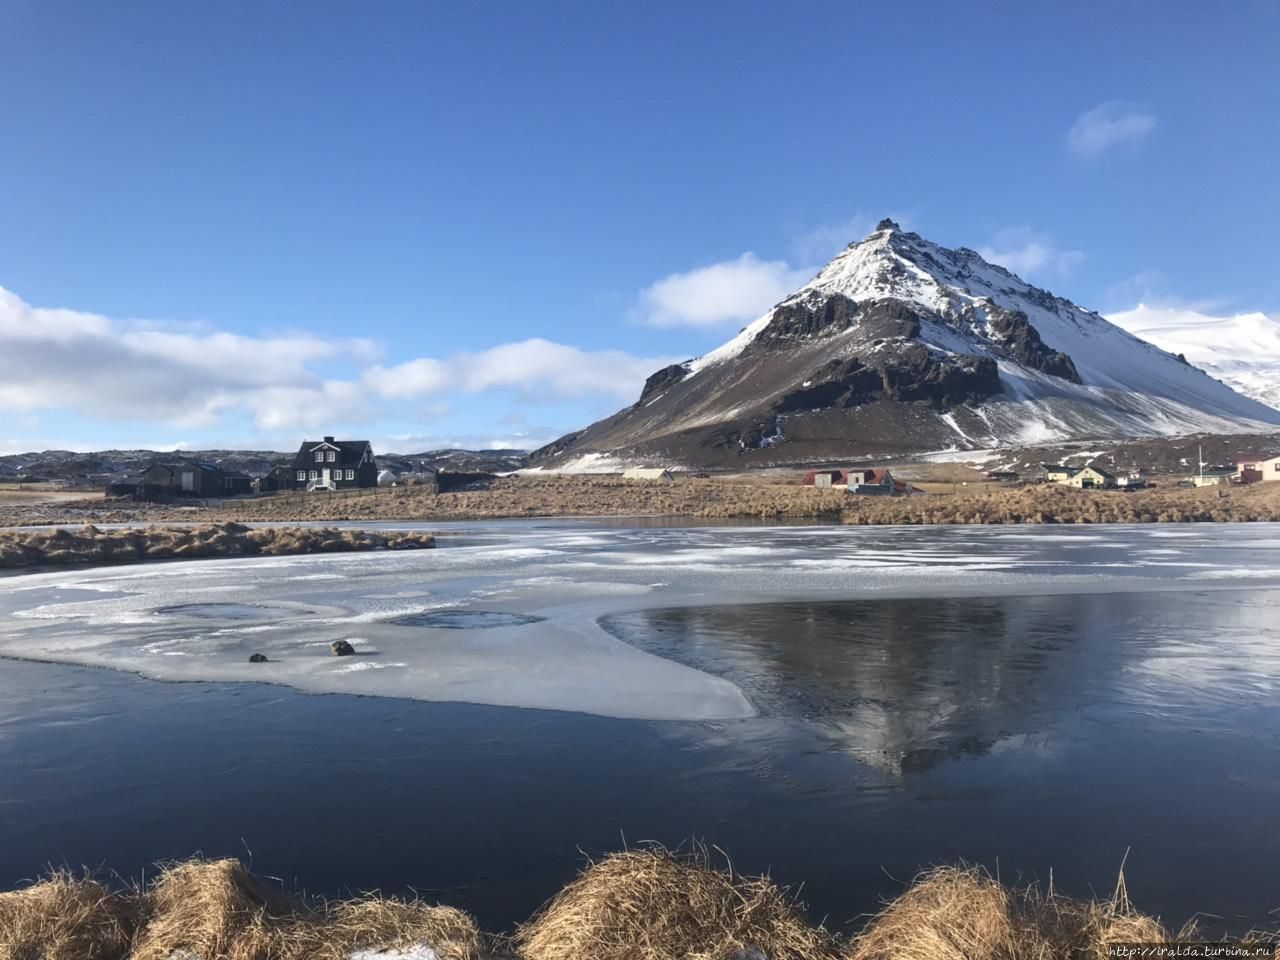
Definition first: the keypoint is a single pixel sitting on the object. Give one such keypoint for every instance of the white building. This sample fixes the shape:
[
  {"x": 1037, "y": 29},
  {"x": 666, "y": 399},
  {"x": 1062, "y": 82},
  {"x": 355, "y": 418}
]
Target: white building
[{"x": 649, "y": 473}]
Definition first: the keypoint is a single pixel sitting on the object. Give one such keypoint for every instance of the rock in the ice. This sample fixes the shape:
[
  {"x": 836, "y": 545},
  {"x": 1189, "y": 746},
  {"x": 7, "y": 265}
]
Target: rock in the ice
[
  {"x": 341, "y": 648},
  {"x": 257, "y": 658}
]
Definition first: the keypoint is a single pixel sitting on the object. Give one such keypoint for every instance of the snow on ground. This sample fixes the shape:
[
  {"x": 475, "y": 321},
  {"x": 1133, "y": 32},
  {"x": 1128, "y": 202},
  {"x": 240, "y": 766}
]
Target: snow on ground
[
  {"x": 415, "y": 952},
  {"x": 509, "y": 615},
  {"x": 1243, "y": 351},
  {"x": 587, "y": 463}
]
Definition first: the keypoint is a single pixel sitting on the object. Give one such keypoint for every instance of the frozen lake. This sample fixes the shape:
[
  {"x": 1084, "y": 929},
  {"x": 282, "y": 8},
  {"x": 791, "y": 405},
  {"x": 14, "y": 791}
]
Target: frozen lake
[{"x": 841, "y": 705}]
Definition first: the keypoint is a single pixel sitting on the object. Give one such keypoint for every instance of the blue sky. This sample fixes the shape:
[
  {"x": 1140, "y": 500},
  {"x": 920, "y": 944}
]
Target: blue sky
[{"x": 430, "y": 223}]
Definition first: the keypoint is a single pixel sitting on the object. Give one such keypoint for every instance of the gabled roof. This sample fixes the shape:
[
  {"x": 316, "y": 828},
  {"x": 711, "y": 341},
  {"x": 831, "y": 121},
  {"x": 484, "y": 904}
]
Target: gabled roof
[
  {"x": 349, "y": 451},
  {"x": 181, "y": 464},
  {"x": 1057, "y": 468},
  {"x": 1096, "y": 469}
]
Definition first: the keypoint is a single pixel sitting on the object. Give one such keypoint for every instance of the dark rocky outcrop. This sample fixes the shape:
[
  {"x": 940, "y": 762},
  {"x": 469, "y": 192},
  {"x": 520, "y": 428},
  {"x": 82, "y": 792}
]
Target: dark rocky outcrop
[
  {"x": 912, "y": 374},
  {"x": 808, "y": 318},
  {"x": 342, "y": 648},
  {"x": 660, "y": 381},
  {"x": 1021, "y": 341},
  {"x": 257, "y": 658},
  {"x": 822, "y": 316}
]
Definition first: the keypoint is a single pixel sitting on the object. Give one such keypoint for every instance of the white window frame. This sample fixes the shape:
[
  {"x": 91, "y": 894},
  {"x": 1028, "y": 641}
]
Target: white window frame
[
  {"x": 315, "y": 475},
  {"x": 351, "y": 474},
  {"x": 302, "y": 475},
  {"x": 331, "y": 455},
  {"x": 319, "y": 456}
]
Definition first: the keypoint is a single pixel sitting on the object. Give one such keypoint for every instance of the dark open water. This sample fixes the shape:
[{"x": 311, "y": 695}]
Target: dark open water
[{"x": 1024, "y": 733}]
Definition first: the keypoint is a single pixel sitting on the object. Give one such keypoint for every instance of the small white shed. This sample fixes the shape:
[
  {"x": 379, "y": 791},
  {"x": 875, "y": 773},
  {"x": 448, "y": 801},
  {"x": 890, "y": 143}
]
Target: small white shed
[{"x": 649, "y": 473}]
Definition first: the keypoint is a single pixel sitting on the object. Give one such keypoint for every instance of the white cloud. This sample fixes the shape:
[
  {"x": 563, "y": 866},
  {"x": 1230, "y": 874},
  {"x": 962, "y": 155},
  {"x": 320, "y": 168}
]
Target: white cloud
[
  {"x": 534, "y": 366},
  {"x": 107, "y": 369},
  {"x": 719, "y": 295},
  {"x": 1023, "y": 251},
  {"x": 1108, "y": 125},
  {"x": 206, "y": 382}
]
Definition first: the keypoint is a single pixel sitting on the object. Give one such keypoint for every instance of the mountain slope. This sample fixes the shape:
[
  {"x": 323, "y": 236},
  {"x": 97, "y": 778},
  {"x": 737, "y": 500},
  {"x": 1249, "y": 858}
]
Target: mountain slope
[
  {"x": 1243, "y": 351},
  {"x": 900, "y": 345}
]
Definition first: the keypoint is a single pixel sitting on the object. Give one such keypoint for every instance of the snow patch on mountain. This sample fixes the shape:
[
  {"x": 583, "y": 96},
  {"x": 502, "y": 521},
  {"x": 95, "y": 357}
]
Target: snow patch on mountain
[
  {"x": 962, "y": 289},
  {"x": 1243, "y": 351}
]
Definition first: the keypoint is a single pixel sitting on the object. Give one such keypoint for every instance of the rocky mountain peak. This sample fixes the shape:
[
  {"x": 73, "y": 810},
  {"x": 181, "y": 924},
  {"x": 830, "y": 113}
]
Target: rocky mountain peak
[{"x": 901, "y": 344}]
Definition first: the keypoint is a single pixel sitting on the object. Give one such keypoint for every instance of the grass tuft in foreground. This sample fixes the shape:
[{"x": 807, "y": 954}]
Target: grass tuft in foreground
[
  {"x": 652, "y": 905},
  {"x": 66, "y": 917},
  {"x": 955, "y": 913},
  {"x": 637, "y": 905}
]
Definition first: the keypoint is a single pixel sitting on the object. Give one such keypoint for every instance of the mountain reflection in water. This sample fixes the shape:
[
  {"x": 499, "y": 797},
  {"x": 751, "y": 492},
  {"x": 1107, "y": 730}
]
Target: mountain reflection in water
[{"x": 904, "y": 684}]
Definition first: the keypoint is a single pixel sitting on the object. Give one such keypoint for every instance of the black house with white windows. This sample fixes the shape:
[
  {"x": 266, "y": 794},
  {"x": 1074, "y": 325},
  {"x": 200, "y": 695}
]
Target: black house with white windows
[{"x": 331, "y": 464}]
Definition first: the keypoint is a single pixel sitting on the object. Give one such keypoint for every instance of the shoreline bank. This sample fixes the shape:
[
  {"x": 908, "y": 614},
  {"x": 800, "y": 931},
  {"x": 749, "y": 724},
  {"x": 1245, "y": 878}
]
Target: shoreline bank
[
  {"x": 549, "y": 497},
  {"x": 90, "y": 545},
  {"x": 645, "y": 904}
]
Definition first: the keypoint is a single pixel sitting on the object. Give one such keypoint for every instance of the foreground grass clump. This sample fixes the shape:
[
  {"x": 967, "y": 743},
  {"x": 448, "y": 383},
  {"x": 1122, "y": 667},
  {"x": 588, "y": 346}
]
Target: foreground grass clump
[
  {"x": 202, "y": 910},
  {"x": 963, "y": 914},
  {"x": 66, "y": 917},
  {"x": 637, "y": 905},
  {"x": 651, "y": 905},
  {"x": 220, "y": 910},
  {"x": 92, "y": 545}
]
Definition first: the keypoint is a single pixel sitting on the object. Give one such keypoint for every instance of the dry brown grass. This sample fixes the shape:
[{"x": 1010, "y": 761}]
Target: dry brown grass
[
  {"x": 774, "y": 496},
  {"x": 377, "y": 922},
  {"x": 646, "y": 905},
  {"x": 66, "y": 917},
  {"x": 215, "y": 909},
  {"x": 219, "y": 911},
  {"x": 651, "y": 905},
  {"x": 958, "y": 913},
  {"x": 91, "y": 545},
  {"x": 1052, "y": 503}
]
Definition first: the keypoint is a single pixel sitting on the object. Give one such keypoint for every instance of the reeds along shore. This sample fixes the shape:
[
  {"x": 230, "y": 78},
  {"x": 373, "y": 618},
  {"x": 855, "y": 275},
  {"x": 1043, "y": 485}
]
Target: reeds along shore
[
  {"x": 91, "y": 545},
  {"x": 637, "y": 905}
]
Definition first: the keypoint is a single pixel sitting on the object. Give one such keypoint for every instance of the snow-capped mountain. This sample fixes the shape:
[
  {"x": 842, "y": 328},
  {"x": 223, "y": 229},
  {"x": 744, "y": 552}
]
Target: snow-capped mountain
[
  {"x": 901, "y": 345},
  {"x": 1243, "y": 351}
]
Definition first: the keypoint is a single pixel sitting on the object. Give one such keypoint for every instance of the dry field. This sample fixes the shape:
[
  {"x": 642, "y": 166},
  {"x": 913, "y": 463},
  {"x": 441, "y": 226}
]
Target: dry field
[
  {"x": 584, "y": 496},
  {"x": 638, "y": 905},
  {"x": 28, "y": 493},
  {"x": 91, "y": 545}
]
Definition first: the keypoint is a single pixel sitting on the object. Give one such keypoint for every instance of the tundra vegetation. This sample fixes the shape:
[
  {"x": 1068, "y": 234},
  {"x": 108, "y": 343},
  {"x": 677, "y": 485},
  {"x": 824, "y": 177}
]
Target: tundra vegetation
[
  {"x": 637, "y": 905},
  {"x": 766, "y": 497},
  {"x": 91, "y": 545}
]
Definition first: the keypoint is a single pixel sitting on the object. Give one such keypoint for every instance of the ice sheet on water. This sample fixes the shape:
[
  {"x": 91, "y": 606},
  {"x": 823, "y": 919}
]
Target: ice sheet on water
[
  {"x": 520, "y": 604},
  {"x": 467, "y": 619}
]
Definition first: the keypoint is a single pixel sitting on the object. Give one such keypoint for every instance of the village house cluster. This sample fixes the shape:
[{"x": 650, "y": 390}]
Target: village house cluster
[
  {"x": 871, "y": 482},
  {"x": 326, "y": 464}
]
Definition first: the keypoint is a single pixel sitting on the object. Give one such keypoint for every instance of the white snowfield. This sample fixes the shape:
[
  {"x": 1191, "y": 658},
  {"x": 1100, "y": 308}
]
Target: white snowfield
[
  {"x": 1243, "y": 351},
  {"x": 201, "y": 620},
  {"x": 1129, "y": 387}
]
